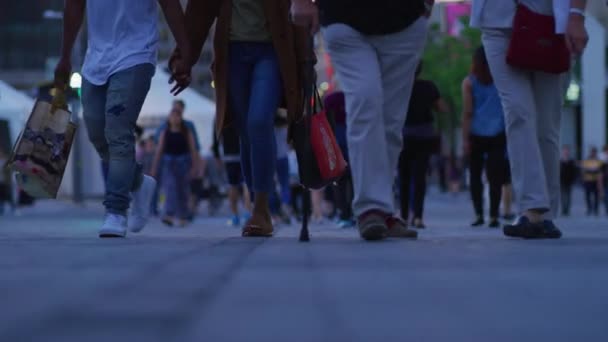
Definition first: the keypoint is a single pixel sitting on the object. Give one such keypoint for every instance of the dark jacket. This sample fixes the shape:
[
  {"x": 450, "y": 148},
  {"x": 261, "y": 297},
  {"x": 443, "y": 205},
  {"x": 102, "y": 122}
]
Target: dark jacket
[{"x": 372, "y": 17}]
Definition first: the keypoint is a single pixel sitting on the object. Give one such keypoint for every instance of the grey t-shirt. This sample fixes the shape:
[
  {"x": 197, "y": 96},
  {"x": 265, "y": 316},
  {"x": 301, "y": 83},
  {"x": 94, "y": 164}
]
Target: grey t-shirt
[{"x": 249, "y": 22}]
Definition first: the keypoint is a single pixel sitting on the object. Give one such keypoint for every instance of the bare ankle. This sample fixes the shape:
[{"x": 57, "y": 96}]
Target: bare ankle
[{"x": 534, "y": 215}]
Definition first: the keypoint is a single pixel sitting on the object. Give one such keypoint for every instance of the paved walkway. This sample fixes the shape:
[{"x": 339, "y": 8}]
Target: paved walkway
[{"x": 58, "y": 282}]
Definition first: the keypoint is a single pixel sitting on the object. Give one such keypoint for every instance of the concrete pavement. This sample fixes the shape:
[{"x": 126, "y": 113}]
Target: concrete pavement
[{"x": 58, "y": 282}]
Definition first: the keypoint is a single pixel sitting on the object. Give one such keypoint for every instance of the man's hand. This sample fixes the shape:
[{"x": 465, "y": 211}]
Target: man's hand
[
  {"x": 576, "y": 34},
  {"x": 63, "y": 72},
  {"x": 305, "y": 13}
]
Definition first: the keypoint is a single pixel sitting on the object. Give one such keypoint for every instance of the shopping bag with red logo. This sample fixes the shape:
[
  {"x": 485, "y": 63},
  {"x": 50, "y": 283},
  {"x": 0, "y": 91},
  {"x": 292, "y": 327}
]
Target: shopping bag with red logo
[
  {"x": 320, "y": 159},
  {"x": 42, "y": 150},
  {"x": 329, "y": 156}
]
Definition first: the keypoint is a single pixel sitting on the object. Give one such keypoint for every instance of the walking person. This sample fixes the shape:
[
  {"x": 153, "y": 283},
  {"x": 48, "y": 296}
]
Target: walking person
[
  {"x": 176, "y": 155},
  {"x": 258, "y": 59},
  {"x": 375, "y": 48},
  {"x": 343, "y": 192},
  {"x": 568, "y": 172},
  {"x": 5, "y": 177},
  {"x": 528, "y": 98},
  {"x": 483, "y": 134},
  {"x": 591, "y": 173},
  {"x": 420, "y": 140},
  {"x": 226, "y": 151},
  {"x": 507, "y": 190},
  {"x": 118, "y": 67},
  {"x": 604, "y": 158},
  {"x": 179, "y": 106},
  {"x": 283, "y": 199}
]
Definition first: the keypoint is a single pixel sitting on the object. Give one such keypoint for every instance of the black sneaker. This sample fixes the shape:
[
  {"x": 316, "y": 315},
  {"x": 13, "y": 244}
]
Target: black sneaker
[
  {"x": 509, "y": 216},
  {"x": 523, "y": 228},
  {"x": 551, "y": 231},
  {"x": 494, "y": 223},
  {"x": 478, "y": 222}
]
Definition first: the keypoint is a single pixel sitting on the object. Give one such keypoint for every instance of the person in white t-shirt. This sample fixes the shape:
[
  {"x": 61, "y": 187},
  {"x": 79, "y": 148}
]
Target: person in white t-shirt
[{"x": 118, "y": 67}]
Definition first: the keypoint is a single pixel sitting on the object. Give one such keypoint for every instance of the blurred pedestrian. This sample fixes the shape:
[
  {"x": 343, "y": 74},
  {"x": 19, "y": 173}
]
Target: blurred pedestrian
[
  {"x": 532, "y": 102},
  {"x": 147, "y": 162},
  {"x": 283, "y": 199},
  {"x": 179, "y": 106},
  {"x": 591, "y": 173},
  {"x": 604, "y": 158},
  {"x": 568, "y": 173},
  {"x": 118, "y": 67},
  {"x": 507, "y": 190},
  {"x": 455, "y": 173},
  {"x": 375, "y": 47},
  {"x": 226, "y": 151},
  {"x": 258, "y": 57},
  {"x": 420, "y": 142},
  {"x": 336, "y": 107},
  {"x": 176, "y": 155},
  {"x": 4, "y": 182},
  {"x": 483, "y": 136}
]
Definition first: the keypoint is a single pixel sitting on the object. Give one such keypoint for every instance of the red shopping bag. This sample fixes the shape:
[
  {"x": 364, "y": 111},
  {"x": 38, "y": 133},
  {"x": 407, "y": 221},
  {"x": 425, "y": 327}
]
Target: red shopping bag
[{"x": 330, "y": 161}]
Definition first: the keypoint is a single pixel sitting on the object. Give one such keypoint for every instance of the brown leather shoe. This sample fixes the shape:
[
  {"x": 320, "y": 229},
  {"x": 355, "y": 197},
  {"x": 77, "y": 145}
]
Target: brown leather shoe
[
  {"x": 397, "y": 228},
  {"x": 372, "y": 225}
]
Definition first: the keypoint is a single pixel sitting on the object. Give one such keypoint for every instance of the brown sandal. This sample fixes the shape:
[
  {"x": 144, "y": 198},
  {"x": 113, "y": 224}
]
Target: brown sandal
[{"x": 253, "y": 230}]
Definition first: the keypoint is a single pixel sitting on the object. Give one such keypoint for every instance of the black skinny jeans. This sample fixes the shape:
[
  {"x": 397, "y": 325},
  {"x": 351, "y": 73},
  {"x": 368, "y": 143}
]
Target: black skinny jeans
[
  {"x": 592, "y": 197},
  {"x": 343, "y": 196},
  {"x": 413, "y": 168},
  {"x": 488, "y": 153}
]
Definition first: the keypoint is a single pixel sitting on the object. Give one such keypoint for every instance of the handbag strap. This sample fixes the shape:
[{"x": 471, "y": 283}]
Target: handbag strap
[{"x": 312, "y": 99}]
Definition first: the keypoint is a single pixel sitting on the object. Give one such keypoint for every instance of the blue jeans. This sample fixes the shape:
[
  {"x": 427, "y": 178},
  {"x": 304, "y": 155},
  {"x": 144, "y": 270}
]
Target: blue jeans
[
  {"x": 284, "y": 186},
  {"x": 110, "y": 113},
  {"x": 254, "y": 90},
  {"x": 176, "y": 186}
]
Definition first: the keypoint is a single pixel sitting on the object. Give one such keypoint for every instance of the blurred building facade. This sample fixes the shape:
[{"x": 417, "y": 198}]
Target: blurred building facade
[
  {"x": 29, "y": 39},
  {"x": 30, "y": 32}
]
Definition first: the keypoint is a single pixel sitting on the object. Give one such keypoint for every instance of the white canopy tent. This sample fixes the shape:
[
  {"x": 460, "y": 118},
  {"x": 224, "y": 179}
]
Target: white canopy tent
[{"x": 199, "y": 109}]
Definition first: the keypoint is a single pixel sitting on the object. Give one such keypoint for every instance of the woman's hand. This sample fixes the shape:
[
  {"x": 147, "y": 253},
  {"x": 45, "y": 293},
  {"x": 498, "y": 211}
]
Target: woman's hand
[
  {"x": 306, "y": 14},
  {"x": 576, "y": 34}
]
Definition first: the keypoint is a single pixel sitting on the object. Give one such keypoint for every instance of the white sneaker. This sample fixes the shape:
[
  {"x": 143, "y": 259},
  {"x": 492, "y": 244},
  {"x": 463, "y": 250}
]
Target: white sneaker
[
  {"x": 114, "y": 226},
  {"x": 140, "y": 206}
]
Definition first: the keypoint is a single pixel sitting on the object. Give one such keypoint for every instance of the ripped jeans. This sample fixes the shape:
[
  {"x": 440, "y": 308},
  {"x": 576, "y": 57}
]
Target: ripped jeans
[{"x": 110, "y": 114}]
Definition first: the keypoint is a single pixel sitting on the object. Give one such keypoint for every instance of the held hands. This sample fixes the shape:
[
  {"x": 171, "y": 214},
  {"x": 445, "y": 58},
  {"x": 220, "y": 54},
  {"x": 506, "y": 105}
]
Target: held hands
[
  {"x": 576, "y": 34},
  {"x": 180, "y": 72},
  {"x": 305, "y": 13}
]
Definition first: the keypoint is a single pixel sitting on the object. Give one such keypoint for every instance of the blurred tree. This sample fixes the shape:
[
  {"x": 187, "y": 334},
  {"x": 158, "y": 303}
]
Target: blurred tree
[{"x": 447, "y": 61}]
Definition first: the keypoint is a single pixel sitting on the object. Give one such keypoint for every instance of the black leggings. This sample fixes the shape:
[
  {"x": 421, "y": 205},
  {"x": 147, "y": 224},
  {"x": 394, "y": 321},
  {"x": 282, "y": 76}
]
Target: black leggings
[
  {"x": 343, "y": 195},
  {"x": 592, "y": 197},
  {"x": 488, "y": 152},
  {"x": 413, "y": 168}
]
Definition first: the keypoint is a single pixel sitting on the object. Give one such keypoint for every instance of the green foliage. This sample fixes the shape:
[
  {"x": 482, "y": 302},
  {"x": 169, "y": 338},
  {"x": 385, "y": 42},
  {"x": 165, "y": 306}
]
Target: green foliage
[{"x": 447, "y": 61}]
